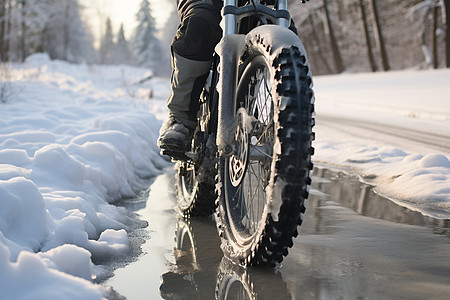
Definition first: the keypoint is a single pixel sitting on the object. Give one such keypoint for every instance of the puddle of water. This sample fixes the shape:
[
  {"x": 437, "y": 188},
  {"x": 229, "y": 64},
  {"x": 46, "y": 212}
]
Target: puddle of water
[
  {"x": 353, "y": 243},
  {"x": 356, "y": 244},
  {"x": 361, "y": 198},
  {"x": 141, "y": 279}
]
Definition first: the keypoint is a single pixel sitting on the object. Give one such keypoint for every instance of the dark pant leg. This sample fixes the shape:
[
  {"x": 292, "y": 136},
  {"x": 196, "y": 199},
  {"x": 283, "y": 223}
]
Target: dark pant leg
[
  {"x": 192, "y": 51},
  {"x": 199, "y": 31}
]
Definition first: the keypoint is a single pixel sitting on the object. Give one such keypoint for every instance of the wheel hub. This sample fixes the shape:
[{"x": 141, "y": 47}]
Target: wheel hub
[{"x": 238, "y": 162}]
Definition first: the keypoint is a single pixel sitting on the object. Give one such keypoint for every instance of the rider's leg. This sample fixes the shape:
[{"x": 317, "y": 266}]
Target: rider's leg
[{"x": 192, "y": 51}]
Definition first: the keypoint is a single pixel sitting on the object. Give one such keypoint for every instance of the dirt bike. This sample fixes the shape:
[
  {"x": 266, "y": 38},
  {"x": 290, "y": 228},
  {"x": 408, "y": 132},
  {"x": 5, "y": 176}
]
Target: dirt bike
[{"x": 250, "y": 160}]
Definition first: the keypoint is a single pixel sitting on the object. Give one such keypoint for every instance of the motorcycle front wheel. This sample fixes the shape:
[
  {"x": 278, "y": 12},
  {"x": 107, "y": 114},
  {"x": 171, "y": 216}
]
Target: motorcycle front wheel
[{"x": 263, "y": 185}]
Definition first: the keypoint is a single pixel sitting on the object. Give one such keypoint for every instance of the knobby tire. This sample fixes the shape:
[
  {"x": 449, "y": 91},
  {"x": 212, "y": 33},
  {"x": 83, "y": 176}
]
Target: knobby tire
[{"x": 284, "y": 181}]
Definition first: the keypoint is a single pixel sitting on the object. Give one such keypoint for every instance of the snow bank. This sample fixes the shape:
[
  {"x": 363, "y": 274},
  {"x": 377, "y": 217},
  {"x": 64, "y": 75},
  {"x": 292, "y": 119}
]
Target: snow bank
[
  {"x": 73, "y": 140},
  {"x": 30, "y": 277},
  {"x": 413, "y": 175}
]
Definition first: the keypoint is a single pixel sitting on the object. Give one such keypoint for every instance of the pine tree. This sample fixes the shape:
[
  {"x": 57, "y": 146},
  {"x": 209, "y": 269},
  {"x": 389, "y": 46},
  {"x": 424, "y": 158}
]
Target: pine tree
[
  {"x": 147, "y": 47},
  {"x": 122, "y": 51},
  {"x": 107, "y": 44},
  {"x": 168, "y": 32}
]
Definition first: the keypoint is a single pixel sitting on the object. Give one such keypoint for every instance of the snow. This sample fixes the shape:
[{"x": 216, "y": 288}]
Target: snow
[
  {"x": 414, "y": 175},
  {"x": 76, "y": 139}
]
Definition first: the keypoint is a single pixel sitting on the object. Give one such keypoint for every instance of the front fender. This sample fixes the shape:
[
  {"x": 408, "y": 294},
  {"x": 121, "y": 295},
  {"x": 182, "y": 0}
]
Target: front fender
[
  {"x": 268, "y": 39},
  {"x": 272, "y": 39}
]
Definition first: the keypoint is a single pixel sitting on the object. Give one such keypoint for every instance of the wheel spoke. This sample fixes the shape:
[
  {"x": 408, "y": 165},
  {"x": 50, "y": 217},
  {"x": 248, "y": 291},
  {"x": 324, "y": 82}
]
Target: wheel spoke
[
  {"x": 259, "y": 153},
  {"x": 254, "y": 151}
]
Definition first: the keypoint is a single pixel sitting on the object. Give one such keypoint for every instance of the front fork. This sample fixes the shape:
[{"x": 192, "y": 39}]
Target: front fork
[
  {"x": 230, "y": 50},
  {"x": 230, "y": 19}
]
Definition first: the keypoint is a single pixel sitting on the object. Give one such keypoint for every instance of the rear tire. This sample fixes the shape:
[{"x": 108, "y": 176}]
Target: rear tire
[
  {"x": 195, "y": 198},
  {"x": 195, "y": 181}
]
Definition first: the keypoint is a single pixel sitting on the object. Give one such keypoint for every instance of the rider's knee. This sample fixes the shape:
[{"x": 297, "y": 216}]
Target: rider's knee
[{"x": 198, "y": 34}]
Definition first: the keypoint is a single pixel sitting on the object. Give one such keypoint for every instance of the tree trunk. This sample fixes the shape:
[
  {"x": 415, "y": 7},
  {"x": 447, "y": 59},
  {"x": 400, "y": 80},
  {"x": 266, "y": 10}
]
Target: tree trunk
[
  {"x": 66, "y": 32},
  {"x": 334, "y": 45},
  {"x": 447, "y": 32},
  {"x": 373, "y": 65},
  {"x": 6, "y": 44},
  {"x": 434, "y": 46},
  {"x": 2, "y": 28},
  {"x": 23, "y": 51},
  {"x": 379, "y": 37},
  {"x": 316, "y": 39}
]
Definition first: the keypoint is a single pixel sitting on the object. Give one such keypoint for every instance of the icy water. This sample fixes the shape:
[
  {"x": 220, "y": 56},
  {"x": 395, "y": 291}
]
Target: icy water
[{"x": 352, "y": 244}]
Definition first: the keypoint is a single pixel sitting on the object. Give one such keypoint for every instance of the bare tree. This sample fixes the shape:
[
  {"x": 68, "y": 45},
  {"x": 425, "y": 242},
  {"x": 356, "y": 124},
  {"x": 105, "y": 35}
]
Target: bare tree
[
  {"x": 23, "y": 29},
  {"x": 428, "y": 19},
  {"x": 65, "y": 31},
  {"x": 434, "y": 43},
  {"x": 447, "y": 32},
  {"x": 365, "y": 25},
  {"x": 8, "y": 30},
  {"x": 2, "y": 26},
  {"x": 5, "y": 29},
  {"x": 400, "y": 33},
  {"x": 334, "y": 45},
  {"x": 379, "y": 36},
  {"x": 318, "y": 48}
]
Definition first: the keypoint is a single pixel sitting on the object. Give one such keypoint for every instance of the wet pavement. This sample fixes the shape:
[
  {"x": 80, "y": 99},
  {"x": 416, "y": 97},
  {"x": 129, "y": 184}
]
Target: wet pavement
[{"x": 353, "y": 244}]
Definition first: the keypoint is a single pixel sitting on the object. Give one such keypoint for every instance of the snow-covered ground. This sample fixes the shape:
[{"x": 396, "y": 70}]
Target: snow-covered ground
[
  {"x": 75, "y": 139},
  {"x": 393, "y": 129}
]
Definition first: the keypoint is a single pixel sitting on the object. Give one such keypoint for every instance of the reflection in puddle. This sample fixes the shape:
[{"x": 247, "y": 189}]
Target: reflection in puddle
[
  {"x": 361, "y": 198},
  {"x": 233, "y": 282},
  {"x": 197, "y": 255},
  {"x": 201, "y": 272}
]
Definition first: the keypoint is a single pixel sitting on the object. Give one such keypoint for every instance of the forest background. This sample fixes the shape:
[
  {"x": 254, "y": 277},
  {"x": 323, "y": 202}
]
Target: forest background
[{"x": 340, "y": 35}]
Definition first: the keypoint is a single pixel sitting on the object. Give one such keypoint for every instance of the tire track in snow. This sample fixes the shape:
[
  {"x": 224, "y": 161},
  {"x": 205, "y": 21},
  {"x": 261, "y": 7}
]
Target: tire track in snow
[{"x": 388, "y": 133}]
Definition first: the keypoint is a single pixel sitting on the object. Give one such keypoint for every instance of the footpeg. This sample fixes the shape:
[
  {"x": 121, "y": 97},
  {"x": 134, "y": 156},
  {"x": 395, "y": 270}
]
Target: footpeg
[{"x": 189, "y": 157}]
